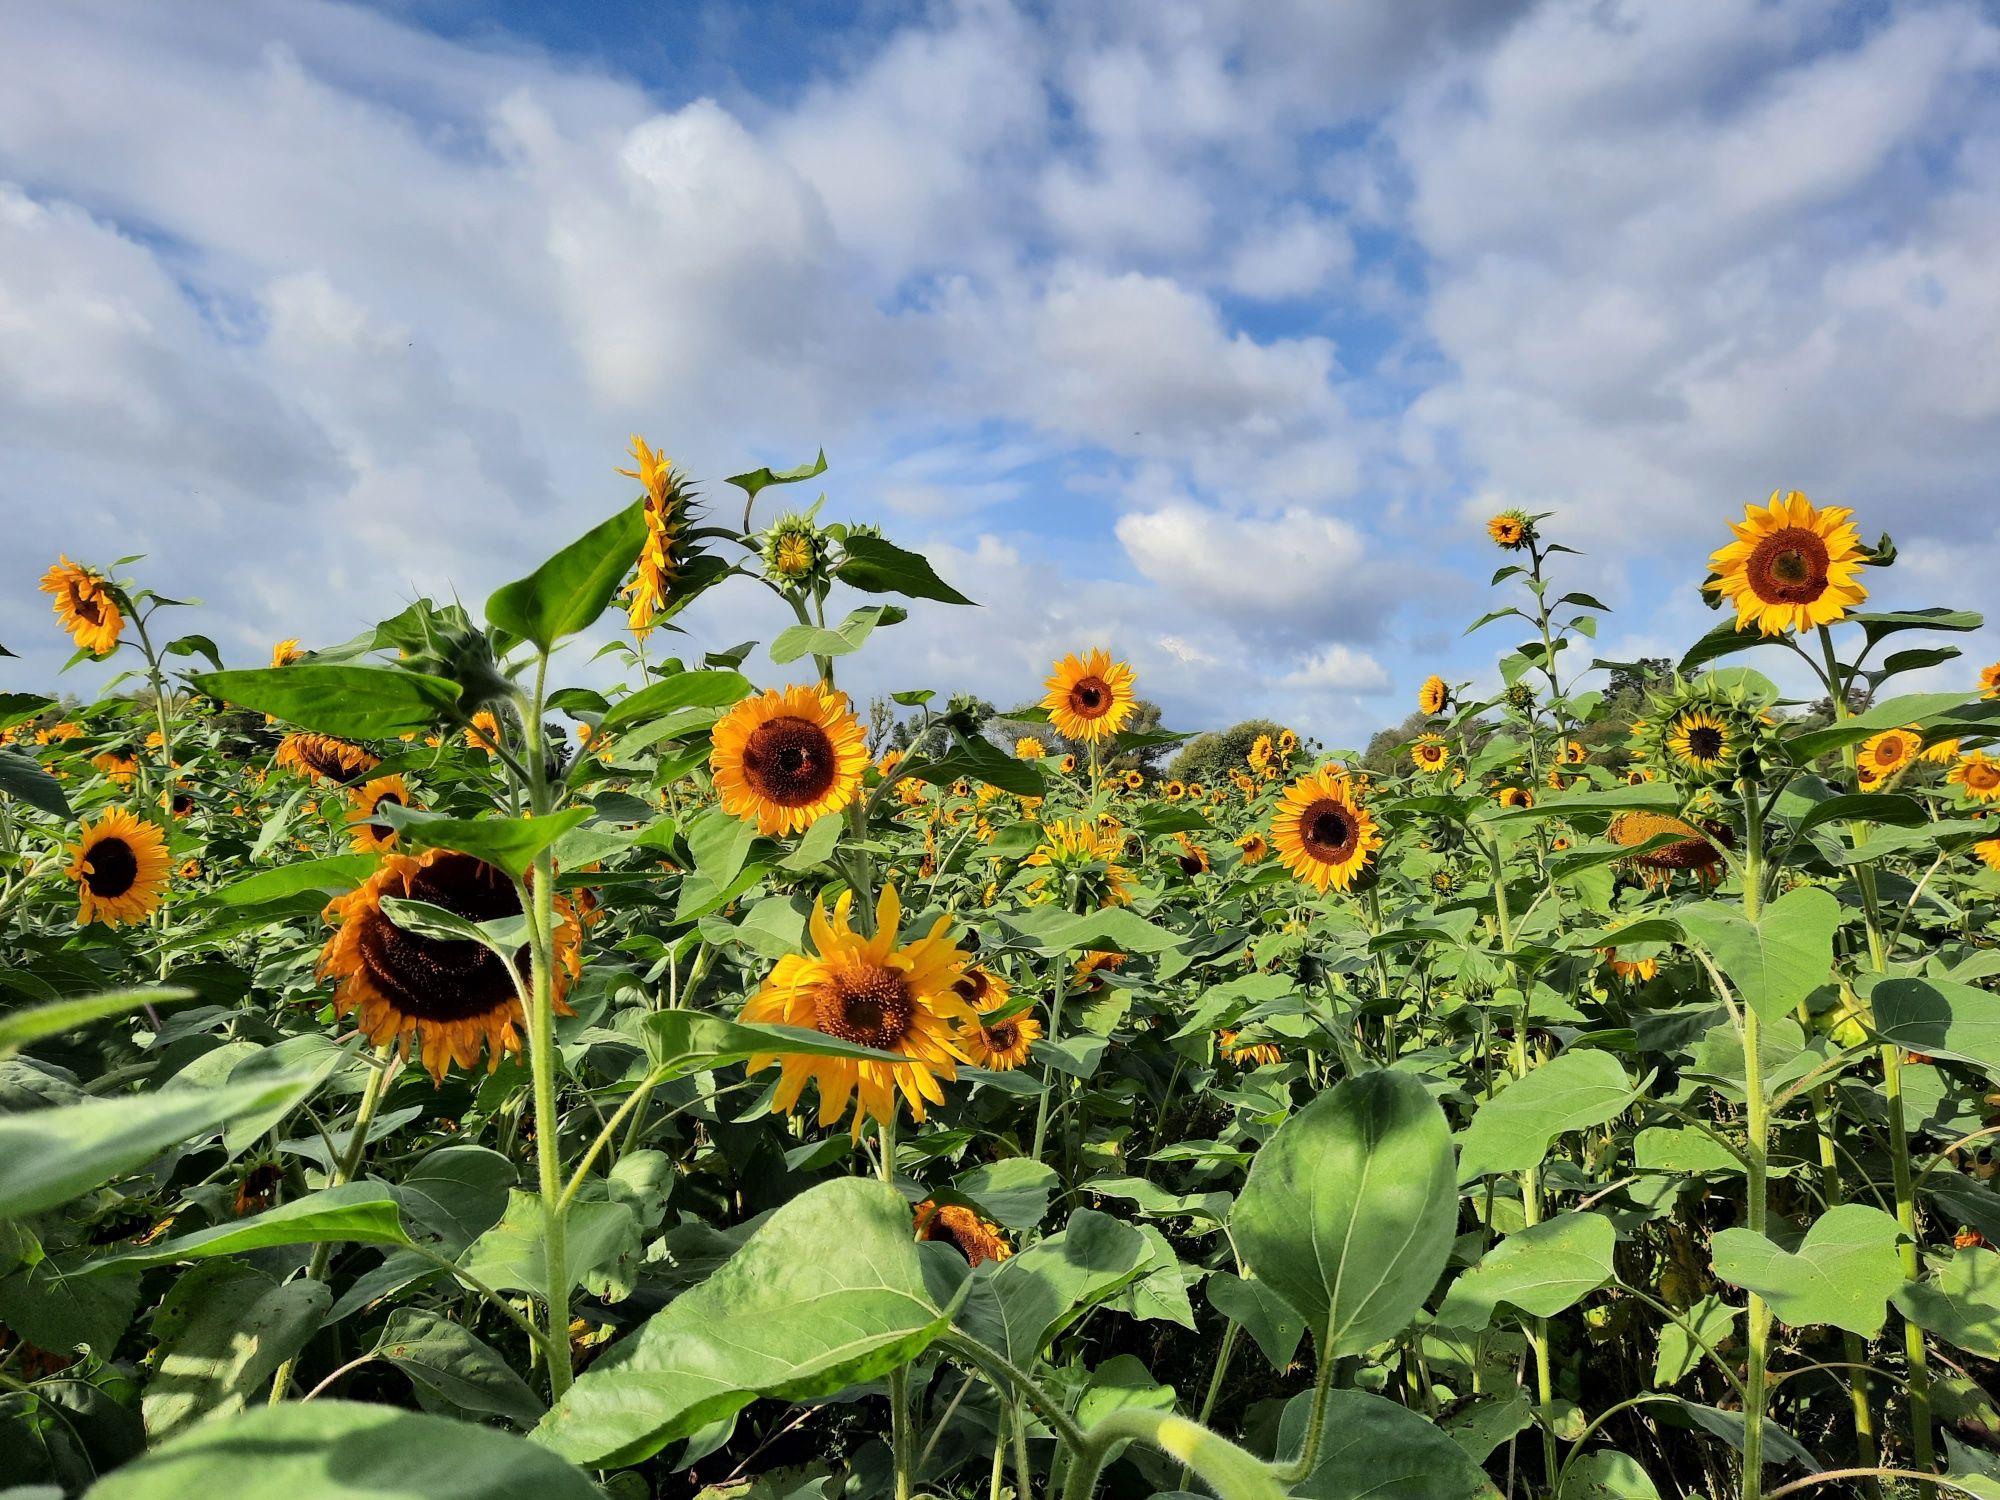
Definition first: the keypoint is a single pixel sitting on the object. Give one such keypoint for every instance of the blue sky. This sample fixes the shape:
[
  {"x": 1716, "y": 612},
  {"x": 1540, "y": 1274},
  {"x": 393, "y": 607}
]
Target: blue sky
[{"x": 1206, "y": 332}]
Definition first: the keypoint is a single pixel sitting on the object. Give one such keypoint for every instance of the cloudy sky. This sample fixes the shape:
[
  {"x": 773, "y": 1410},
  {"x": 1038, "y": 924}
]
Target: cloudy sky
[{"x": 1208, "y": 332}]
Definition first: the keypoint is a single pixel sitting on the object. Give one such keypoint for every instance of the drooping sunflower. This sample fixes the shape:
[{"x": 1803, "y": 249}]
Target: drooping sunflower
[
  {"x": 1989, "y": 681},
  {"x": 875, "y": 993},
  {"x": 1691, "y": 851},
  {"x": 452, "y": 997},
  {"x": 118, "y": 766},
  {"x": 1638, "y": 970},
  {"x": 1248, "y": 1054},
  {"x": 286, "y": 652},
  {"x": 1430, "y": 752},
  {"x": 1792, "y": 566},
  {"x": 978, "y": 1240},
  {"x": 1978, "y": 775},
  {"x": 1890, "y": 751},
  {"x": 1089, "y": 699},
  {"x": 1943, "y": 753},
  {"x": 1322, "y": 832},
  {"x": 366, "y": 832},
  {"x": 85, "y": 606},
  {"x": 321, "y": 757},
  {"x": 982, "y": 989},
  {"x": 1256, "y": 848},
  {"x": 788, "y": 757},
  {"x": 1511, "y": 529},
  {"x": 1027, "y": 747},
  {"x": 1434, "y": 696},
  {"x": 1699, "y": 741},
  {"x": 120, "y": 865},
  {"x": 660, "y": 558},
  {"x": 1090, "y": 851},
  {"x": 1193, "y": 858}
]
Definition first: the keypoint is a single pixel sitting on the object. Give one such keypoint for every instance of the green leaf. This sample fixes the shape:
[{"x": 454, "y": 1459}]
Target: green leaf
[
  {"x": 1867, "y": 807},
  {"x": 1776, "y": 961},
  {"x": 758, "y": 479},
  {"x": 1843, "y": 1274},
  {"x": 876, "y": 566},
  {"x": 828, "y": 1292},
  {"x": 1607, "y": 1475},
  {"x": 1013, "y": 1192},
  {"x": 1375, "y": 1449},
  {"x": 358, "y": 1213},
  {"x": 447, "y": 1362},
  {"x": 356, "y": 702},
  {"x": 512, "y": 1256},
  {"x": 51, "y": 1305},
  {"x": 222, "y": 1332},
  {"x": 510, "y": 844},
  {"x": 1032, "y": 1297},
  {"x": 48, "y": 1156},
  {"x": 17, "y": 708},
  {"x": 569, "y": 591},
  {"x": 672, "y": 694},
  {"x": 795, "y": 641},
  {"x": 339, "y": 872},
  {"x": 1115, "y": 929},
  {"x": 1680, "y": 1355},
  {"x": 1261, "y": 1313},
  {"x": 1911, "y": 708},
  {"x": 23, "y": 1028},
  {"x": 1724, "y": 640},
  {"x": 1939, "y": 1018},
  {"x": 1350, "y": 1208},
  {"x": 1511, "y": 1131},
  {"x": 1542, "y": 1270},
  {"x": 690, "y": 1041},
  {"x": 1959, "y": 1301},
  {"x": 346, "y": 1450},
  {"x": 22, "y": 777}
]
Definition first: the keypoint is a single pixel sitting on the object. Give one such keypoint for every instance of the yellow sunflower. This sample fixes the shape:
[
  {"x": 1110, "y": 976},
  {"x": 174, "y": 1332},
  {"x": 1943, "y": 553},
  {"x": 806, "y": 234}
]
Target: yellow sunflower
[
  {"x": 1193, "y": 858},
  {"x": 1082, "y": 846},
  {"x": 1248, "y": 1054},
  {"x": 788, "y": 757},
  {"x": 286, "y": 652},
  {"x": 1093, "y": 964},
  {"x": 1515, "y": 796},
  {"x": 1027, "y": 747},
  {"x": 1322, "y": 833},
  {"x": 453, "y": 997},
  {"x": 1287, "y": 742},
  {"x": 1989, "y": 681},
  {"x": 1888, "y": 752},
  {"x": 1089, "y": 699},
  {"x": 1638, "y": 970},
  {"x": 1067, "y": 765},
  {"x": 1256, "y": 848},
  {"x": 366, "y": 833},
  {"x": 1510, "y": 529},
  {"x": 1699, "y": 740},
  {"x": 1001, "y": 1045},
  {"x": 1792, "y": 566},
  {"x": 1133, "y": 781},
  {"x": 321, "y": 757},
  {"x": 1430, "y": 752},
  {"x": 118, "y": 766},
  {"x": 1943, "y": 753},
  {"x": 1261, "y": 751},
  {"x": 85, "y": 606},
  {"x": 1988, "y": 852},
  {"x": 1173, "y": 791},
  {"x": 485, "y": 733},
  {"x": 1691, "y": 851},
  {"x": 1434, "y": 695},
  {"x": 1573, "y": 753},
  {"x": 1978, "y": 775},
  {"x": 660, "y": 560},
  {"x": 978, "y": 1240},
  {"x": 119, "y": 864},
  {"x": 874, "y": 993}
]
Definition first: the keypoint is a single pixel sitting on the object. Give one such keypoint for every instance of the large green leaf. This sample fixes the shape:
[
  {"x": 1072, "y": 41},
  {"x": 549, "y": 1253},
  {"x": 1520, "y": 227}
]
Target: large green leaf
[
  {"x": 1031, "y": 1298},
  {"x": 337, "y": 872},
  {"x": 1776, "y": 961},
  {"x": 359, "y": 702},
  {"x": 363, "y": 1213},
  {"x": 1939, "y": 1018},
  {"x": 23, "y": 1028},
  {"x": 510, "y": 844},
  {"x": 222, "y": 1333},
  {"x": 876, "y": 566},
  {"x": 1350, "y": 1208},
  {"x": 345, "y": 1450},
  {"x": 1843, "y": 1273},
  {"x": 1544, "y": 1269},
  {"x": 828, "y": 1292},
  {"x": 48, "y": 1156},
  {"x": 23, "y": 778},
  {"x": 1113, "y": 930},
  {"x": 569, "y": 591},
  {"x": 671, "y": 694},
  {"x": 795, "y": 641},
  {"x": 1959, "y": 1301},
  {"x": 1375, "y": 1449},
  {"x": 445, "y": 1360},
  {"x": 602, "y": 1239},
  {"x": 1261, "y": 1313},
  {"x": 1511, "y": 1131}
]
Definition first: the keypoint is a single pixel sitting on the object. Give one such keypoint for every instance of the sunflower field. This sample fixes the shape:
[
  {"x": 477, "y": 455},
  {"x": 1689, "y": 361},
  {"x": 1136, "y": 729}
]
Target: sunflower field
[{"x": 423, "y": 1074}]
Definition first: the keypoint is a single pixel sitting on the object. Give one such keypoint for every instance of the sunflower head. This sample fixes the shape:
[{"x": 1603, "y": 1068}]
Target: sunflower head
[
  {"x": 978, "y": 1239},
  {"x": 1067, "y": 765},
  {"x": 117, "y": 766},
  {"x": 876, "y": 992},
  {"x": 1288, "y": 742},
  {"x": 1173, "y": 791},
  {"x": 1692, "y": 849},
  {"x": 1027, "y": 747},
  {"x": 1434, "y": 696},
  {"x": 1429, "y": 752},
  {"x": 1989, "y": 681},
  {"x": 1090, "y": 698},
  {"x": 1704, "y": 733},
  {"x": 1323, "y": 832},
  {"x": 1193, "y": 858},
  {"x": 1637, "y": 970},
  {"x": 1893, "y": 750},
  {"x": 1978, "y": 776},
  {"x": 1444, "y": 881},
  {"x": 1248, "y": 1054},
  {"x": 1515, "y": 796},
  {"x": 1089, "y": 852},
  {"x": 1520, "y": 697},
  {"x": 321, "y": 757},
  {"x": 1261, "y": 751},
  {"x": 1256, "y": 848},
  {"x": 664, "y": 554},
  {"x": 788, "y": 757},
  {"x": 86, "y": 605},
  {"x": 1002, "y": 1044},
  {"x": 795, "y": 552},
  {"x": 1511, "y": 530},
  {"x": 366, "y": 832},
  {"x": 286, "y": 652},
  {"x": 120, "y": 865},
  {"x": 1793, "y": 565}
]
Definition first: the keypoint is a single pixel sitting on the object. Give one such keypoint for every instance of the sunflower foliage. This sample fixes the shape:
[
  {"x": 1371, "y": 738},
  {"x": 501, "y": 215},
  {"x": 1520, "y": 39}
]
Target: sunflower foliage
[{"x": 422, "y": 1073}]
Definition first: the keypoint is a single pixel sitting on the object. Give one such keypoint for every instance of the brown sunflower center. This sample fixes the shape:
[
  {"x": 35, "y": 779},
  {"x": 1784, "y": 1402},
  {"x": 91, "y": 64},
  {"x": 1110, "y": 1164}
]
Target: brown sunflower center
[
  {"x": 869, "y": 1006},
  {"x": 1704, "y": 742},
  {"x": 1190, "y": 864},
  {"x": 112, "y": 868},
  {"x": 383, "y": 830},
  {"x": 973, "y": 987},
  {"x": 444, "y": 979},
  {"x": 1330, "y": 831},
  {"x": 790, "y": 761},
  {"x": 1981, "y": 777},
  {"x": 87, "y": 603},
  {"x": 1002, "y": 1038},
  {"x": 1090, "y": 698},
  {"x": 1788, "y": 567}
]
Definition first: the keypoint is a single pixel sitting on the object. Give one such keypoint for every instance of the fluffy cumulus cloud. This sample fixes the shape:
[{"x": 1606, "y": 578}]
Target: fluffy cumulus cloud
[{"x": 1205, "y": 331}]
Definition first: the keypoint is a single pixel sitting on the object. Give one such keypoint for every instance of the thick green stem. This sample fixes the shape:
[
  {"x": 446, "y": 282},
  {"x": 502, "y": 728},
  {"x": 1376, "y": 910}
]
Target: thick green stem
[
  {"x": 1756, "y": 1161},
  {"x": 1227, "y": 1469}
]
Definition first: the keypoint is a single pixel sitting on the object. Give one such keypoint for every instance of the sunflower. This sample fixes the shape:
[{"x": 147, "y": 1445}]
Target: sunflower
[
  {"x": 1089, "y": 699},
  {"x": 85, "y": 606},
  {"x": 1699, "y": 740},
  {"x": 1890, "y": 751},
  {"x": 1256, "y": 848},
  {"x": 1638, "y": 970},
  {"x": 1573, "y": 753},
  {"x": 1791, "y": 567},
  {"x": 1134, "y": 780},
  {"x": 793, "y": 550},
  {"x": 1027, "y": 747},
  {"x": 485, "y": 733},
  {"x": 1173, "y": 791},
  {"x": 1430, "y": 752},
  {"x": 1261, "y": 751},
  {"x": 286, "y": 652},
  {"x": 1433, "y": 697},
  {"x": 322, "y": 757},
  {"x": 1248, "y": 1054},
  {"x": 55, "y": 734},
  {"x": 1691, "y": 851},
  {"x": 1322, "y": 833},
  {"x": 118, "y": 766},
  {"x": 1988, "y": 852},
  {"x": 1193, "y": 858},
  {"x": 660, "y": 559},
  {"x": 1001, "y": 1045},
  {"x": 978, "y": 1240},
  {"x": 1511, "y": 529},
  {"x": 1090, "y": 849},
  {"x": 119, "y": 864},
  {"x": 1067, "y": 765},
  {"x": 1638, "y": 775},
  {"x": 1989, "y": 681},
  {"x": 1287, "y": 742},
  {"x": 1943, "y": 753},
  {"x": 1515, "y": 796},
  {"x": 1978, "y": 775},
  {"x": 1094, "y": 963},
  {"x": 874, "y": 993},
  {"x": 788, "y": 757},
  {"x": 453, "y": 996},
  {"x": 366, "y": 832}
]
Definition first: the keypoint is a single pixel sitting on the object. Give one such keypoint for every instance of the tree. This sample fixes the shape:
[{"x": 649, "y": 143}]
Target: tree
[{"x": 1212, "y": 756}]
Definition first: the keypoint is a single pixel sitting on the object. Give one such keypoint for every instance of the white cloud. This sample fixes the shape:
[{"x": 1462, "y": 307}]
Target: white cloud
[{"x": 1338, "y": 669}]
